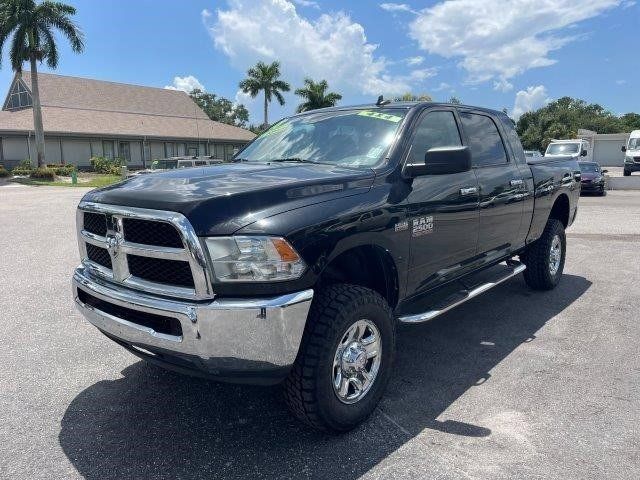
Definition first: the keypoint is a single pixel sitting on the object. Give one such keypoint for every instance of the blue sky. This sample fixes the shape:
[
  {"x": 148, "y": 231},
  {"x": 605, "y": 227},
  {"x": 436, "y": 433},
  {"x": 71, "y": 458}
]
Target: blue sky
[{"x": 516, "y": 54}]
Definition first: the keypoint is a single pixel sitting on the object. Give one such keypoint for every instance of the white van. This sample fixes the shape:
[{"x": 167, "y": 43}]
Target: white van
[
  {"x": 632, "y": 154},
  {"x": 578, "y": 148}
]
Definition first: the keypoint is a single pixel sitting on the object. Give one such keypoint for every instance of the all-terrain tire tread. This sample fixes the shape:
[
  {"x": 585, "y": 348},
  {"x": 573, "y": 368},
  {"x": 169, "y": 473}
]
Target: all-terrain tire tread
[{"x": 300, "y": 386}]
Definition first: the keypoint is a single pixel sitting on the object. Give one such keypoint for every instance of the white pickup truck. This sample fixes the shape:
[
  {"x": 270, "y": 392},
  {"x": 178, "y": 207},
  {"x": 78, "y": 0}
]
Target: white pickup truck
[{"x": 574, "y": 148}]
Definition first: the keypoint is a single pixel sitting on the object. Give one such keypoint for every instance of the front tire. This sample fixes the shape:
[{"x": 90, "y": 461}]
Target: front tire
[
  {"x": 345, "y": 359},
  {"x": 627, "y": 173},
  {"x": 545, "y": 257}
]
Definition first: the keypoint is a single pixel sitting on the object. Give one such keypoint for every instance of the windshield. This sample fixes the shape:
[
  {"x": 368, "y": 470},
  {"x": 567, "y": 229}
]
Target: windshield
[
  {"x": 634, "y": 144},
  {"x": 589, "y": 167},
  {"x": 354, "y": 138},
  {"x": 563, "y": 148}
]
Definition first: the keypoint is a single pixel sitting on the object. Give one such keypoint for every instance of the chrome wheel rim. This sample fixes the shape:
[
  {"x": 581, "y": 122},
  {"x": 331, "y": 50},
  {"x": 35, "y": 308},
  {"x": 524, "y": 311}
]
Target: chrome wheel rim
[
  {"x": 356, "y": 361},
  {"x": 555, "y": 255}
]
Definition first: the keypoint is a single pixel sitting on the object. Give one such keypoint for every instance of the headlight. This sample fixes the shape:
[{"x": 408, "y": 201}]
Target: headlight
[{"x": 253, "y": 259}]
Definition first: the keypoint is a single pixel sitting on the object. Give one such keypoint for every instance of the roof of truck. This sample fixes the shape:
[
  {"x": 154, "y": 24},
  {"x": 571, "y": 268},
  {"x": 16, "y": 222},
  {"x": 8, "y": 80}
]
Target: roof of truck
[{"x": 406, "y": 106}]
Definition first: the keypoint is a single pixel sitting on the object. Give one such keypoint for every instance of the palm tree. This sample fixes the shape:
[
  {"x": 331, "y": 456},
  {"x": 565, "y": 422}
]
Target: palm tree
[
  {"x": 264, "y": 78},
  {"x": 32, "y": 26},
  {"x": 316, "y": 96}
]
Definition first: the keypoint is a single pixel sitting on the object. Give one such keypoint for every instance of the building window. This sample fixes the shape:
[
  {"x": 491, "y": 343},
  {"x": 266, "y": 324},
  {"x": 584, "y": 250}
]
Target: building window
[
  {"x": 192, "y": 149},
  {"x": 124, "y": 151},
  {"x": 107, "y": 148},
  {"x": 169, "y": 149},
  {"x": 228, "y": 152},
  {"x": 19, "y": 97}
]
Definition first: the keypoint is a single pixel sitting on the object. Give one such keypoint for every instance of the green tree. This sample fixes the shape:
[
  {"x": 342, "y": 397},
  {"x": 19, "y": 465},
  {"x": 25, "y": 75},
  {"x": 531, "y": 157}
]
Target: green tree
[
  {"x": 410, "y": 97},
  {"x": 562, "y": 119},
  {"x": 220, "y": 109},
  {"x": 316, "y": 96},
  {"x": 32, "y": 26},
  {"x": 631, "y": 121},
  {"x": 455, "y": 100},
  {"x": 265, "y": 78}
]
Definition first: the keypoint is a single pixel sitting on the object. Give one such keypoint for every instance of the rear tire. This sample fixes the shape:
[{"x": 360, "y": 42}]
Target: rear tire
[
  {"x": 627, "y": 173},
  {"x": 545, "y": 257},
  {"x": 330, "y": 357}
]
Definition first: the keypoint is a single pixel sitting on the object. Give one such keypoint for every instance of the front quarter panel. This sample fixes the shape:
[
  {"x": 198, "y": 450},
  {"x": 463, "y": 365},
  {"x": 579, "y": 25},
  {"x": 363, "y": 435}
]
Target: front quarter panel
[{"x": 323, "y": 231}]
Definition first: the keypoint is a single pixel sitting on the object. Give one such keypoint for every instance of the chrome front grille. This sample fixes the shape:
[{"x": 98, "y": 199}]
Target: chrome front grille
[{"x": 149, "y": 250}]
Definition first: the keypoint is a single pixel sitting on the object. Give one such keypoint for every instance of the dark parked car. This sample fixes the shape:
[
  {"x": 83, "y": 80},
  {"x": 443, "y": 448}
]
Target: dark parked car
[
  {"x": 295, "y": 263},
  {"x": 592, "y": 178}
]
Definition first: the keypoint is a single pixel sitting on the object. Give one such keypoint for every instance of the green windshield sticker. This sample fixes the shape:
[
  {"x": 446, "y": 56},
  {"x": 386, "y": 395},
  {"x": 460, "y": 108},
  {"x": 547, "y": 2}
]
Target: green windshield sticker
[
  {"x": 277, "y": 128},
  {"x": 380, "y": 116}
]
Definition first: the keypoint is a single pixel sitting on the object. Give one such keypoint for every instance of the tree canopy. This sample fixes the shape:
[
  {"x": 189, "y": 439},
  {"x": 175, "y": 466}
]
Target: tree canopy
[
  {"x": 562, "y": 118},
  {"x": 220, "y": 109},
  {"x": 265, "y": 78},
  {"x": 410, "y": 97},
  {"x": 33, "y": 26},
  {"x": 316, "y": 96}
]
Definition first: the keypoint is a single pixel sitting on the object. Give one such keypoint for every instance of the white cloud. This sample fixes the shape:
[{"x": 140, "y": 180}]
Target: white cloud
[
  {"x": 307, "y": 3},
  {"x": 621, "y": 82},
  {"x": 443, "y": 86},
  {"x": 333, "y": 47},
  {"x": 501, "y": 38},
  {"x": 530, "y": 99},
  {"x": 397, "y": 7},
  {"x": 186, "y": 84},
  {"x": 414, "y": 61},
  {"x": 502, "y": 85}
]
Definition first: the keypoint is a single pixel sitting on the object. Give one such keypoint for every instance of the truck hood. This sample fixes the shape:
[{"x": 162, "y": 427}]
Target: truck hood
[
  {"x": 569, "y": 156},
  {"x": 220, "y": 199}
]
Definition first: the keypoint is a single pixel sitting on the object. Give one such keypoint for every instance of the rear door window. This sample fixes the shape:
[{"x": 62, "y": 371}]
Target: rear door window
[{"x": 484, "y": 140}]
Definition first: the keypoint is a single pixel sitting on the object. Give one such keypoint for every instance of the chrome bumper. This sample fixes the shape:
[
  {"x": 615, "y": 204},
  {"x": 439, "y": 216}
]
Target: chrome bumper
[{"x": 234, "y": 339}]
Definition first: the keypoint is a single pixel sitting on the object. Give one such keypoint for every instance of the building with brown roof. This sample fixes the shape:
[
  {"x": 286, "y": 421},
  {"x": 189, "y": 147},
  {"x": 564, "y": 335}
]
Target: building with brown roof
[{"x": 84, "y": 118}]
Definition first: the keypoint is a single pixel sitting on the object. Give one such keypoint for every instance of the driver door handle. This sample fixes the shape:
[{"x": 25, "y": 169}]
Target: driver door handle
[{"x": 468, "y": 191}]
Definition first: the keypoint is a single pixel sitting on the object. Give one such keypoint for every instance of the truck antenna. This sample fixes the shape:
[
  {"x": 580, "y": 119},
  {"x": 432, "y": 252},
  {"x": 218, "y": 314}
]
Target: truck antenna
[{"x": 382, "y": 102}]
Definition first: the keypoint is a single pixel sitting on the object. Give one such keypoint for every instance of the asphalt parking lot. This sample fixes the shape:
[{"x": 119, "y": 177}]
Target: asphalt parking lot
[{"x": 515, "y": 384}]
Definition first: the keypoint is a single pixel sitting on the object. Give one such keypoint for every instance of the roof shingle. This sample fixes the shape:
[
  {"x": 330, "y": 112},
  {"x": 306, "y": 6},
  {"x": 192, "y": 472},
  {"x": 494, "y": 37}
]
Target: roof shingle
[{"x": 73, "y": 105}]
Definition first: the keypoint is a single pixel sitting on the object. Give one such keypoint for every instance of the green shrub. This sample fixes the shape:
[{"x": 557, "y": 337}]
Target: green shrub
[
  {"x": 107, "y": 165},
  {"x": 23, "y": 168},
  {"x": 3, "y": 172},
  {"x": 25, "y": 164},
  {"x": 43, "y": 173},
  {"x": 63, "y": 170}
]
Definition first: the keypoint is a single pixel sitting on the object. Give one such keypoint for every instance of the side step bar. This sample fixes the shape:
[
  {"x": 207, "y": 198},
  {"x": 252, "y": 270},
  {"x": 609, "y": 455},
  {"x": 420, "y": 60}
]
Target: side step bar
[{"x": 513, "y": 269}]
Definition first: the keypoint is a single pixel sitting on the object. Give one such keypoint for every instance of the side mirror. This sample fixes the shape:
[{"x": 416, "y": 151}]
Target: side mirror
[
  {"x": 604, "y": 171},
  {"x": 624, "y": 148},
  {"x": 584, "y": 153},
  {"x": 442, "y": 161}
]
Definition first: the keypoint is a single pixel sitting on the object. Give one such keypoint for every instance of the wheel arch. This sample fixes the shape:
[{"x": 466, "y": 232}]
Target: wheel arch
[
  {"x": 368, "y": 265},
  {"x": 561, "y": 209}
]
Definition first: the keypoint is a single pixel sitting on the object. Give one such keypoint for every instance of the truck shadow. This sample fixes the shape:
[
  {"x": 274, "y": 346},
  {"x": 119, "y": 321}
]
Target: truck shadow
[{"x": 153, "y": 423}]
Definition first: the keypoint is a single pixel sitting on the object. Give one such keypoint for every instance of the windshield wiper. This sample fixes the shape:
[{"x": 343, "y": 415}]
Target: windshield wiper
[{"x": 291, "y": 159}]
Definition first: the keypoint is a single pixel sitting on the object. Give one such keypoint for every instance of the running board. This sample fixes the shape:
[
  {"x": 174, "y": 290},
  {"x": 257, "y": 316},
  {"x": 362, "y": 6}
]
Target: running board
[{"x": 511, "y": 269}]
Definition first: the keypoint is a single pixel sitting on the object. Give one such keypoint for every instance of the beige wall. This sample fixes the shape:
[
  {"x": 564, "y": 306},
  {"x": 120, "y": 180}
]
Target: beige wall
[
  {"x": 157, "y": 150},
  {"x": 78, "y": 150},
  {"x": 14, "y": 150}
]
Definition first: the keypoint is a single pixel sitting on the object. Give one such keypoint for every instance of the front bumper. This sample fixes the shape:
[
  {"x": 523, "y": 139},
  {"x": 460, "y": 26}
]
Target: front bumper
[
  {"x": 240, "y": 340},
  {"x": 592, "y": 186},
  {"x": 632, "y": 166}
]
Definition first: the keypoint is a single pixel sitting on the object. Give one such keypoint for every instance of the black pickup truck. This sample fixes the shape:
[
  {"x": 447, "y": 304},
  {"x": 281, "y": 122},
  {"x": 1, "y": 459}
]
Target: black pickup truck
[{"x": 295, "y": 263}]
